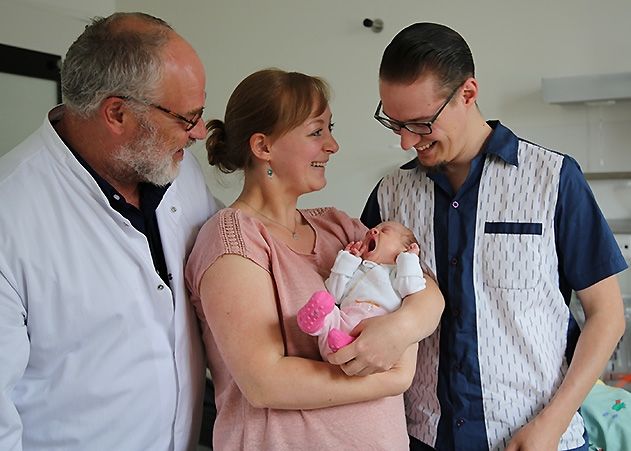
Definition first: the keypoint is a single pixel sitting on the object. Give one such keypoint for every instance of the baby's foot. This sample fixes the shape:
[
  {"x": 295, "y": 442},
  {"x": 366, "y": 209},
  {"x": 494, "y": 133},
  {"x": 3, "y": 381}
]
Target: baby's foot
[
  {"x": 311, "y": 315},
  {"x": 338, "y": 339}
]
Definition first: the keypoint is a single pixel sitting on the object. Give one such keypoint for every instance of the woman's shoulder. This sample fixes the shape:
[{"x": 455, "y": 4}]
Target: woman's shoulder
[
  {"x": 324, "y": 213},
  {"x": 335, "y": 222},
  {"x": 315, "y": 212},
  {"x": 222, "y": 227},
  {"x": 229, "y": 218},
  {"x": 230, "y": 231}
]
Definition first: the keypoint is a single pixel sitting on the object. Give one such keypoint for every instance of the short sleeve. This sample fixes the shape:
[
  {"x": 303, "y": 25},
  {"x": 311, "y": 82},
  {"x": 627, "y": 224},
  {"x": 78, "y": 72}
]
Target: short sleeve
[
  {"x": 587, "y": 250},
  {"x": 227, "y": 232}
]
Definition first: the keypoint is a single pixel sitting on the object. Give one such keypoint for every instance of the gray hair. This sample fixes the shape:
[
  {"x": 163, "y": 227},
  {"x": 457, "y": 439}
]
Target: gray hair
[{"x": 111, "y": 58}]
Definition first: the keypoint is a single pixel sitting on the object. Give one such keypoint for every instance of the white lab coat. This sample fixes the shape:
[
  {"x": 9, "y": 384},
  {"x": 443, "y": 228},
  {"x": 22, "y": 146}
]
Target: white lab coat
[{"x": 95, "y": 351}]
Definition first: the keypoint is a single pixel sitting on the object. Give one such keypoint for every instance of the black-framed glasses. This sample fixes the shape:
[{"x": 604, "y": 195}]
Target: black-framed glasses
[
  {"x": 190, "y": 123},
  {"x": 419, "y": 128}
]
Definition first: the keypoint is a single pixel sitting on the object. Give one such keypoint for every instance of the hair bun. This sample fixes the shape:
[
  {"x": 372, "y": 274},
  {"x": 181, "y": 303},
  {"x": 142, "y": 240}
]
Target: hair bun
[{"x": 216, "y": 143}]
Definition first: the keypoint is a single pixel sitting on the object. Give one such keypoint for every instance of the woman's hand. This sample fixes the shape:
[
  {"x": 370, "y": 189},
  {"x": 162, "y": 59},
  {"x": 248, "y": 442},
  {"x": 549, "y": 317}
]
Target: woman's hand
[
  {"x": 378, "y": 347},
  {"x": 381, "y": 340}
]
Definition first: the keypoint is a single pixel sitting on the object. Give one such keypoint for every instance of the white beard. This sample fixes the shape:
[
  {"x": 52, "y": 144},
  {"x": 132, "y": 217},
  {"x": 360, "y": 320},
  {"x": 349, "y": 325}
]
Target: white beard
[{"x": 141, "y": 161}]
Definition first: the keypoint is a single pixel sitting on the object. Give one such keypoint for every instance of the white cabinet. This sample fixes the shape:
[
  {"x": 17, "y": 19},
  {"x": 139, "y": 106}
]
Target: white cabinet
[
  {"x": 587, "y": 88},
  {"x": 600, "y": 132}
]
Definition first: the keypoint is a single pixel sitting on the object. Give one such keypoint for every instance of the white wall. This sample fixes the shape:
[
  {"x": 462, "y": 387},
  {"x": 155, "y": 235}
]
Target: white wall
[
  {"x": 48, "y": 25},
  {"x": 43, "y": 25},
  {"x": 514, "y": 46}
]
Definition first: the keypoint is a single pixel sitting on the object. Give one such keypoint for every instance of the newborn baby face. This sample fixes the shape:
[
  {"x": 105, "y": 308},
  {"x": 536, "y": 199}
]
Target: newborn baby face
[{"x": 383, "y": 243}]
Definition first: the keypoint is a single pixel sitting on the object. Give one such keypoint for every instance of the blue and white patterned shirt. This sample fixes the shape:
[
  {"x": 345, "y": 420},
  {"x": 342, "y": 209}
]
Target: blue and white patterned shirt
[{"x": 507, "y": 248}]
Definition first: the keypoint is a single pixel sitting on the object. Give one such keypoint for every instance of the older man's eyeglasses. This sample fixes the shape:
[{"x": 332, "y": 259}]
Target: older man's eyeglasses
[
  {"x": 420, "y": 128},
  {"x": 190, "y": 123}
]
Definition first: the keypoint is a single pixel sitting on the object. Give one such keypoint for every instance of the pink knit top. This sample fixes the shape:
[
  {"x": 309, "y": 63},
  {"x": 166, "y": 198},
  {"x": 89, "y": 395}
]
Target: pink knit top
[{"x": 374, "y": 425}]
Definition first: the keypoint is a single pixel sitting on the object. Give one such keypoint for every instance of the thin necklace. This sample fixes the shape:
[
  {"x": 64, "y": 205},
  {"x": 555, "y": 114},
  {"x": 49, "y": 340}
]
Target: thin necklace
[{"x": 294, "y": 235}]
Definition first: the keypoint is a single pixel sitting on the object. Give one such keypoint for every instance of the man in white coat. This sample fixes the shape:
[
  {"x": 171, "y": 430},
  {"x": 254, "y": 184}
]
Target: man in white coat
[{"x": 99, "y": 348}]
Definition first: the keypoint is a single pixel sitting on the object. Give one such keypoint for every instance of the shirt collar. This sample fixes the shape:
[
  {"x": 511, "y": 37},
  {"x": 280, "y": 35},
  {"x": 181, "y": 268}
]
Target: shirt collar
[
  {"x": 150, "y": 195},
  {"x": 502, "y": 142}
]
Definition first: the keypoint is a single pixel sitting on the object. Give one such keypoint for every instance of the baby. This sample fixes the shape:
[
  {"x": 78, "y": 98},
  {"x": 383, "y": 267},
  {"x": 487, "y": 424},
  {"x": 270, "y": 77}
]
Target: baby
[{"x": 369, "y": 278}]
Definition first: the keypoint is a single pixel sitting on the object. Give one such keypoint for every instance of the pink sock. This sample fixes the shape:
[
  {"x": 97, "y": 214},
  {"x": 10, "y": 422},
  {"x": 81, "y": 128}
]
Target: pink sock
[
  {"x": 338, "y": 339},
  {"x": 311, "y": 315}
]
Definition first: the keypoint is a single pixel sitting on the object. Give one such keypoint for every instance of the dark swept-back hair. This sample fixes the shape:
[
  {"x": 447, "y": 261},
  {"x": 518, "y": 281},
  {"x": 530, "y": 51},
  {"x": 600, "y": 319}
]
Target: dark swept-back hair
[
  {"x": 270, "y": 101},
  {"x": 427, "y": 49}
]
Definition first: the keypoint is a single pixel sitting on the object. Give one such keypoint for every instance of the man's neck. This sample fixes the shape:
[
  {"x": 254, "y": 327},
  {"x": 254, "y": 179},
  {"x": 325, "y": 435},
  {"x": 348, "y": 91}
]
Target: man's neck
[{"x": 458, "y": 170}]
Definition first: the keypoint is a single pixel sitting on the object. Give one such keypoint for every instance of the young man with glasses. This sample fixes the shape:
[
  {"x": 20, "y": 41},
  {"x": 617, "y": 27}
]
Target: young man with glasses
[
  {"x": 99, "y": 347},
  {"x": 504, "y": 225}
]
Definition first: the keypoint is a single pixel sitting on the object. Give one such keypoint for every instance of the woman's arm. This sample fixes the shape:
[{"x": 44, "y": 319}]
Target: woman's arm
[
  {"x": 238, "y": 299},
  {"x": 382, "y": 340}
]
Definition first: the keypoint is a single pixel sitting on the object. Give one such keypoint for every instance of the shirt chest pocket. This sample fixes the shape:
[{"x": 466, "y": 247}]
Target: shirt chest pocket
[{"x": 512, "y": 254}]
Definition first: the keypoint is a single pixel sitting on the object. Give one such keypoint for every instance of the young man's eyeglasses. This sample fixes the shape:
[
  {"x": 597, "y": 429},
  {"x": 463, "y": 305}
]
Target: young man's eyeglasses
[
  {"x": 420, "y": 128},
  {"x": 190, "y": 123}
]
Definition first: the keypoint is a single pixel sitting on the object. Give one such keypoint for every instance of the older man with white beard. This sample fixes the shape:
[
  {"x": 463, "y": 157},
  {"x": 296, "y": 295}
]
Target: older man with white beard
[{"x": 99, "y": 348}]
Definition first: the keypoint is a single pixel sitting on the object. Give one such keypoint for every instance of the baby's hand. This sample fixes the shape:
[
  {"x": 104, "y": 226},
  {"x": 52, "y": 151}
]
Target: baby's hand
[
  {"x": 355, "y": 248},
  {"x": 413, "y": 249}
]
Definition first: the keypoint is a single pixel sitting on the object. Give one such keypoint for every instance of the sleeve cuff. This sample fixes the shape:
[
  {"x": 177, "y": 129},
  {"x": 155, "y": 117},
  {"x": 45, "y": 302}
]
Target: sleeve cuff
[{"x": 346, "y": 263}]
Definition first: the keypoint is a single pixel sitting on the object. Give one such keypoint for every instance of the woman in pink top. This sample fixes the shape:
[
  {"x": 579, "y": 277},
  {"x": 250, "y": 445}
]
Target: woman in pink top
[{"x": 254, "y": 264}]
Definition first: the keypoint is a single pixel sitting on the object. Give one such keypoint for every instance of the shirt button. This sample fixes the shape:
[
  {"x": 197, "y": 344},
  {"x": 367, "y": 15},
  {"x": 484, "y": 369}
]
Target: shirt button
[
  {"x": 453, "y": 261},
  {"x": 455, "y": 204},
  {"x": 456, "y": 312},
  {"x": 170, "y": 276},
  {"x": 173, "y": 209},
  {"x": 459, "y": 422},
  {"x": 160, "y": 287},
  {"x": 455, "y": 367},
  {"x": 116, "y": 196}
]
